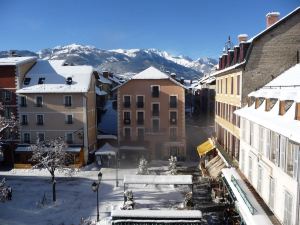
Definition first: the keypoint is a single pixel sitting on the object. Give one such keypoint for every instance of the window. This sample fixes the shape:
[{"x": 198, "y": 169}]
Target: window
[
  {"x": 127, "y": 133},
  {"x": 173, "y": 118},
  {"x": 26, "y": 138},
  {"x": 155, "y": 91},
  {"x": 126, "y": 101},
  {"x": 271, "y": 192},
  {"x": 250, "y": 169},
  {"x": 292, "y": 158},
  {"x": 173, "y": 101},
  {"x": 68, "y": 100},
  {"x": 155, "y": 125},
  {"x": 23, "y": 101},
  {"x": 24, "y": 120},
  {"x": 8, "y": 112},
  {"x": 155, "y": 109},
  {"x": 238, "y": 85},
  {"x": 267, "y": 137},
  {"x": 39, "y": 101},
  {"x": 69, "y": 138},
  {"x": 127, "y": 118},
  {"x": 41, "y": 80},
  {"x": 174, "y": 151},
  {"x": 242, "y": 160},
  {"x": 69, "y": 119},
  {"x": 231, "y": 87},
  {"x": 273, "y": 147},
  {"x": 251, "y": 133},
  {"x": 40, "y": 137},
  {"x": 140, "y": 134},
  {"x": 27, "y": 80},
  {"x": 140, "y": 102},
  {"x": 173, "y": 133},
  {"x": 283, "y": 145},
  {"x": 140, "y": 118},
  {"x": 7, "y": 96},
  {"x": 39, "y": 119},
  {"x": 288, "y": 208},
  {"x": 259, "y": 178}
]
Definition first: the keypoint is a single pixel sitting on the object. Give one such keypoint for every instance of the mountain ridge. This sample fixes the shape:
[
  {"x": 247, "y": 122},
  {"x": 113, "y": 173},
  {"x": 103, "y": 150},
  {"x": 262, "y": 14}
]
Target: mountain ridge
[{"x": 124, "y": 61}]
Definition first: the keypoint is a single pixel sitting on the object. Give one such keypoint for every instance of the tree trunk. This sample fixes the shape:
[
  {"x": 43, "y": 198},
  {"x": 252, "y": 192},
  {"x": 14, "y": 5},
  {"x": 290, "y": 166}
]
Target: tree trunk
[{"x": 53, "y": 188}]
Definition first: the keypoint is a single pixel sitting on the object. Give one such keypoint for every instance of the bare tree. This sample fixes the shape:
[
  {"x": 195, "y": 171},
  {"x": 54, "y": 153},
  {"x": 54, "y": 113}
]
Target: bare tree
[{"x": 52, "y": 156}]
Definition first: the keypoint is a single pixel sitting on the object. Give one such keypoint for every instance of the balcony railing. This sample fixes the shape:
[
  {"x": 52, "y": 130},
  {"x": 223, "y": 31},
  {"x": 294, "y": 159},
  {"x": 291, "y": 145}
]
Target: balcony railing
[
  {"x": 69, "y": 122},
  {"x": 126, "y": 104},
  {"x": 140, "y": 122},
  {"x": 155, "y": 130},
  {"x": 68, "y": 104},
  {"x": 155, "y": 94},
  {"x": 155, "y": 113},
  {"x": 127, "y": 121},
  {"x": 173, "y": 104},
  {"x": 24, "y": 123},
  {"x": 40, "y": 123},
  {"x": 23, "y": 105},
  {"x": 140, "y": 104},
  {"x": 173, "y": 121},
  {"x": 173, "y": 138}
]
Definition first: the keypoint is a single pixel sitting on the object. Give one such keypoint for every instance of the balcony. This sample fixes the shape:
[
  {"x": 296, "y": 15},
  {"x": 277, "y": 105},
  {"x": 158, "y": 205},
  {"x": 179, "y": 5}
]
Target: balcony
[
  {"x": 68, "y": 104},
  {"x": 40, "y": 123},
  {"x": 155, "y": 94},
  {"x": 38, "y": 104},
  {"x": 159, "y": 131},
  {"x": 69, "y": 122},
  {"x": 140, "y": 104},
  {"x": 126, "y": 104},
  {"x": 24, "y": 123},
  {"x": 23, "y": 105},
  {"x": 126, "y": 121},
  {"x": 173, "y": 138}
]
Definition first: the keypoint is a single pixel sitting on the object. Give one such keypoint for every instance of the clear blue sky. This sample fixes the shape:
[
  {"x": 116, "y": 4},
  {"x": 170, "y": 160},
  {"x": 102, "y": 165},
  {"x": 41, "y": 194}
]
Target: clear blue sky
[{"x": 190, "y": 27}]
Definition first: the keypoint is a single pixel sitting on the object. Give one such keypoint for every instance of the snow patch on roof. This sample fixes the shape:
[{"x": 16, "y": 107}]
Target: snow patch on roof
[
  {"x": 55, "y": 74},
  {"x": 150, "y": 73},
  {"x": 13, "y": 61}
]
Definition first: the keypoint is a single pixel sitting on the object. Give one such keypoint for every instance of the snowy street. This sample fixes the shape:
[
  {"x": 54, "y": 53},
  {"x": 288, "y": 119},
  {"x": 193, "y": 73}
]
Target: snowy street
[{"x": 75, "y": 198}]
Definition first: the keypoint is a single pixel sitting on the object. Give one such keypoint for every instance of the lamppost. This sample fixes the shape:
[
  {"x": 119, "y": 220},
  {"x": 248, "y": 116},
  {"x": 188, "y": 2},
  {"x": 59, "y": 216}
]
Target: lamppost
[
  {"x": 95, "y": 187},
  {"x": 117, "y": 165}
]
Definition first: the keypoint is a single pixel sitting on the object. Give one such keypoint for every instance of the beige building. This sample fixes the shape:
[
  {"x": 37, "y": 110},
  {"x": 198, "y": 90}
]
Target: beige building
[
  {"x": 58, "y": 100},
  {"x": 151, "y": 116}
]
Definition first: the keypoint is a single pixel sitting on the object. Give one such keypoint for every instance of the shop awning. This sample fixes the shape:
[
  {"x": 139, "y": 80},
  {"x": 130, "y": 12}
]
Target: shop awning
[
  {"x": 249, "y": 208},
  {"x": 205, "y": 147}
]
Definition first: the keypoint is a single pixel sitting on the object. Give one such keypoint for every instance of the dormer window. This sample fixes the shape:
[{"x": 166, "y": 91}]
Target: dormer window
[
  {"x": 258, "y": 102},
  {"x": 270, "y": 103},
  {"x": 41, "y": 80},
  {"x": 284, "y": 106},
  {"x": 297, "y": 117},
  {"x": 27, "y": 80},
  {"x": 251, "y": 100}
]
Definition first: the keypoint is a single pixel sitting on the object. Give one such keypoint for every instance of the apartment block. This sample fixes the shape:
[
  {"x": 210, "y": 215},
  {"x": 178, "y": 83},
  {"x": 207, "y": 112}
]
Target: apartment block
[
  {"x": 151, "y": 116},
  {"x": 58, "y": 100}
]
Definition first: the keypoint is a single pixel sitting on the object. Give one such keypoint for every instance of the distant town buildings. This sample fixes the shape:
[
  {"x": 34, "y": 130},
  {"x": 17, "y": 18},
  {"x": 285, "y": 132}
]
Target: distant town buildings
[{"x": 151, "y": 116}]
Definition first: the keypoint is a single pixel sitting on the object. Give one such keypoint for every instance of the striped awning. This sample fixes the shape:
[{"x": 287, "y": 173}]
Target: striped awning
[{"x": 205, "y": 147}]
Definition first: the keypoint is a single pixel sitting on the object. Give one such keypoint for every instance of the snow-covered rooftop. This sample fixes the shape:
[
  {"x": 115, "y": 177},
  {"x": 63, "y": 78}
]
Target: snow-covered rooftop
[
  {"x": 150, "y": 73},
  {"x": 106, "y": 149},
  {"x": 104, "y": 80},
  {"x": 55, "y": 74},
  {"x": 155, "y": 214},
  {"x": 158, "y": 179},
  {"x": 13, "y": 61},
  {"x": 100, "y": 92}
]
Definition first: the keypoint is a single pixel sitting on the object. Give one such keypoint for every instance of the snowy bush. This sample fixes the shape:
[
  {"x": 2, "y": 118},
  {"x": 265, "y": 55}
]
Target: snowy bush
[
  {"x": 3, "y": 191},
  {"x": 128, "y": 200}
]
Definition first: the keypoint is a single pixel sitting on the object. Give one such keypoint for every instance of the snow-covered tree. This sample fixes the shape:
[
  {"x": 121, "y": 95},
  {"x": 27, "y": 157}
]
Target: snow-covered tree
[
  {"x": 143, "y": 167},
  {"x": 6, "y": 122},
  {"x": 3, "y": 191},
  {"x": 52, "y": 156},
  {"x": 172, "y": 165}
]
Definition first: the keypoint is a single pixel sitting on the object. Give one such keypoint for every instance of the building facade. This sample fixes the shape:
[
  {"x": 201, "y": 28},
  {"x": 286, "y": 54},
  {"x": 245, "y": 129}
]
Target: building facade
[
  {"x": 12, "y": 70},
  {"x": 247, "y": 67},
  {"x": 58, "y": 100},
  {"x": 151, "y": 116},
  {"x": 270, "y": 144}
]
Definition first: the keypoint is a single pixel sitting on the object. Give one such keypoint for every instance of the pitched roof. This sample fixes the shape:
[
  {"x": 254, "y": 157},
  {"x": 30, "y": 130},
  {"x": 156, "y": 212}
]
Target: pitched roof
[
  {"x": 150, "y": 73},
  {"x": 54, "y": 74},
  {"x": 13, "y": 61}
]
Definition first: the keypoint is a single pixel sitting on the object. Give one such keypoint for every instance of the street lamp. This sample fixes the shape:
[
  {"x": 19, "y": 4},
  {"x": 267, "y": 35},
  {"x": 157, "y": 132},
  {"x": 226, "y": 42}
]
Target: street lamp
[
  {"x": 95, "y": 187},
  {"x": 117, "y": 165}
]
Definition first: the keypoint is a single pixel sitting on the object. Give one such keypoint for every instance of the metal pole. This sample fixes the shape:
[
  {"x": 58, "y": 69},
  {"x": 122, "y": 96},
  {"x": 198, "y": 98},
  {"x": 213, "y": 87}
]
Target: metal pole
[
  {"x": 117, "y": 180},
  {"x": 97, "y": 204}
]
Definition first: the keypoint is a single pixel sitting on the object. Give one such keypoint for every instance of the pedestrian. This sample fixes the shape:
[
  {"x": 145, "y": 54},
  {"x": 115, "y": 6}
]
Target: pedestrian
[{"x": 9, "y": 193}]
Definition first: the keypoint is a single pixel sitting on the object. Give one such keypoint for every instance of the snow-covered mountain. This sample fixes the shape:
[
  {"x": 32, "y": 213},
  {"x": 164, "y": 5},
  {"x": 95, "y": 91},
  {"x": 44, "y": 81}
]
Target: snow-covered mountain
[{"x": 128, "y": 62}]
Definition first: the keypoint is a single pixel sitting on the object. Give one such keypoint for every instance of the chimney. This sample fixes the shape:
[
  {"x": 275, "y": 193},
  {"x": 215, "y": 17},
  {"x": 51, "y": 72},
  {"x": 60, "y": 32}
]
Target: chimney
[
  {"x": 173, "y": 76},
  {"x": 242, "y": 37},
  {"x": 272, "y": 17}
]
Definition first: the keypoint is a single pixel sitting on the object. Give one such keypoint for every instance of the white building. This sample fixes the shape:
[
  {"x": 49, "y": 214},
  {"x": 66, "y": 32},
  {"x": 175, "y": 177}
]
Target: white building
[{"x": 270, "y": 140}]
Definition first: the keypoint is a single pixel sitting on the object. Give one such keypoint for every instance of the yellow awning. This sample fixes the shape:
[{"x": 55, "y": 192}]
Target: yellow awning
[{"x": 205, "y": 147}]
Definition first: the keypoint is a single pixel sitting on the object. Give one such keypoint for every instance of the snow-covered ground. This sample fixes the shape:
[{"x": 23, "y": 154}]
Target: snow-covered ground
[{"x": 75, "y": 198}]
